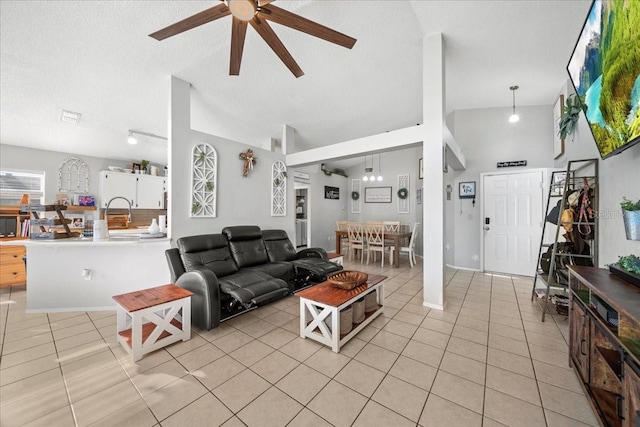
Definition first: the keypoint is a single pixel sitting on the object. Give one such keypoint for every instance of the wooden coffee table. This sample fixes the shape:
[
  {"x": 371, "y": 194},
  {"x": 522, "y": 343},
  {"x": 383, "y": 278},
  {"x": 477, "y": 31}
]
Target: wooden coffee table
[
  {"x": 324, "y": 302},
  {"x": 152, "y": 318}
]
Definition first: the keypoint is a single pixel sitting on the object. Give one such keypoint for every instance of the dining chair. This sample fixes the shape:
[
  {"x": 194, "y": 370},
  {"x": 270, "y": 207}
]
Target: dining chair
[
  {"x": 355, "y": 232},
  {"x": 344, "y": 240},
  {"x": 408, "y": 249},
  {"x": 390, "y": 227},
  {"x": 375, "y": 241}
]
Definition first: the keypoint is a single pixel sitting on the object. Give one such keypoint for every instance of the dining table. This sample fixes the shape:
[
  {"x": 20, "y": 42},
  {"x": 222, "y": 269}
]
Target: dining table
[{"x": 397, "y": 239}]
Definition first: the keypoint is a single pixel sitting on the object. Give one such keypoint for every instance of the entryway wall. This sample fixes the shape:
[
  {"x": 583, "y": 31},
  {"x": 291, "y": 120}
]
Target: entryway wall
[{"x": 486, "y": 137}]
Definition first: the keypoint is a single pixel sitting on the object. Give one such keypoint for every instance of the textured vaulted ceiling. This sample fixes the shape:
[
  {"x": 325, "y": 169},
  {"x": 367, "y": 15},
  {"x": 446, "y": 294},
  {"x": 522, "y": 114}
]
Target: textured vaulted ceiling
[{"x": 95, "y": 57}]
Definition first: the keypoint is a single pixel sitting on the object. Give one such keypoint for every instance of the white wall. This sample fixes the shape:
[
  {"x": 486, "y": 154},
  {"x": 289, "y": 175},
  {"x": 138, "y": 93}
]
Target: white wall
[
  {"x": 619, "y": 176},
  {"x": 240, "y": 200},
  {"x": 323, "y": 213},
  {"x": 486, "y": 137},
  {"x": 393, "y": 163},
  {"x": 31, "y": 159}
]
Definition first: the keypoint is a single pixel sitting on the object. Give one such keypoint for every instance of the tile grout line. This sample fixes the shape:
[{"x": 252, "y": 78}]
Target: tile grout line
[
  {"x": 535, "y": 375},
  {"x": 64, "y": 379}
]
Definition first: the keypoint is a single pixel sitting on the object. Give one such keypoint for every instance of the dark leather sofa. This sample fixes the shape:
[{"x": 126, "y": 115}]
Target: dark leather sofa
[{"x": 241, "y": 268}]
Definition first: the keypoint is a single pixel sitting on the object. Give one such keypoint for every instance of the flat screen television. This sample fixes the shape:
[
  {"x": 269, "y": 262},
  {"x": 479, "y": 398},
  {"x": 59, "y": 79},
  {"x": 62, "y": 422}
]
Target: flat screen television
[{"x": 605, "y": 71}]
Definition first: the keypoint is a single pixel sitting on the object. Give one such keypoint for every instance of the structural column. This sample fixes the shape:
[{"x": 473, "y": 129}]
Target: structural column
[{"x": 433, "y": 111}]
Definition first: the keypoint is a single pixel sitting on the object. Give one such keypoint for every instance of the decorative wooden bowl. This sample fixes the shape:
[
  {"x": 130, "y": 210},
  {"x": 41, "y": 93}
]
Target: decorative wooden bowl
[{"x": 348, "y": 279}]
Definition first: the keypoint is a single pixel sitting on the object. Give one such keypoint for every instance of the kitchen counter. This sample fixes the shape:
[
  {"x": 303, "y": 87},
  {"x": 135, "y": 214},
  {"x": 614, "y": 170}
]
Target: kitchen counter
[
  {"x": 123, "y": 236},
  {"x": 81, "y": 274}
]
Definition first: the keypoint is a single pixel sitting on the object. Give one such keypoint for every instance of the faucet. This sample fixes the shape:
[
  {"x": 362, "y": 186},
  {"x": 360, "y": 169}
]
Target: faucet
[{"x": 106, "y": 211}]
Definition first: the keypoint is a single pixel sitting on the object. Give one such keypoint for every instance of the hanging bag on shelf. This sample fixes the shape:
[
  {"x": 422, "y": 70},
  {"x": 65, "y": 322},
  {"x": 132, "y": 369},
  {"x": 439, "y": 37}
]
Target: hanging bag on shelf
[
  {"x": 553, "y": 215},
  {"x": 585, "y": 212},
  {"x": 566, "y": 219}
]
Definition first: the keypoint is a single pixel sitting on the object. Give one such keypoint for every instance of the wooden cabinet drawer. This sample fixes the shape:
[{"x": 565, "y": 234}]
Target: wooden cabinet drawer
[
  {"x": 11, "y": 253},
  {"x": 12, "y": 274},
  {"x": 12, "y": 269}
]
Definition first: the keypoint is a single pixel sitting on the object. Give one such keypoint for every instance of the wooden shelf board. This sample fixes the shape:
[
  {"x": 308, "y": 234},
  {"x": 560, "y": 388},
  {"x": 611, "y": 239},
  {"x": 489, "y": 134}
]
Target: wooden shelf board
[{"x": 147, "y": 329}]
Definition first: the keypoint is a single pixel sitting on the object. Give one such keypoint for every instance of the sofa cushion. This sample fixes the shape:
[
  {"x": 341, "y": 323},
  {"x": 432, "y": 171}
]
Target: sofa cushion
[
  {"x": 279, "y": 247},
  {"x": 209, "y": 251},
  {"x": 280, "y": 270},
  {"x": 253, "y": 287},
  {"x": 246, "y": 245}
]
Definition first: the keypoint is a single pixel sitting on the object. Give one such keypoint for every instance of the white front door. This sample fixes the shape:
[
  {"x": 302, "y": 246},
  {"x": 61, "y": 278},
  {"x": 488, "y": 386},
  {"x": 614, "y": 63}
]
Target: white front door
[{"x": 512, "y": 222}]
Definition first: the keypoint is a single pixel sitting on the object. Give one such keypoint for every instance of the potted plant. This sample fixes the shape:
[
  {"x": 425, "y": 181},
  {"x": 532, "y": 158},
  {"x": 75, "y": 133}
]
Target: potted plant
[
  {"x": 143, "y": 166},
  {"x": 627, "y": 268},
  {"x": 631, "y": 217},
  {"x": 570, "y": 116}
]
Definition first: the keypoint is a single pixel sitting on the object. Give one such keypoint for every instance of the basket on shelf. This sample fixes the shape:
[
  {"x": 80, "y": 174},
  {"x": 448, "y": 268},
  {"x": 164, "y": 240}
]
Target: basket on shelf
[{"x": 348, "y": 279}]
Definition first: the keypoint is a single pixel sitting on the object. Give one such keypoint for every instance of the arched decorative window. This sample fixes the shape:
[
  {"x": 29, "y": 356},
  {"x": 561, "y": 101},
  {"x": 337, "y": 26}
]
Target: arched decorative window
[
  {"x": 73, "y": 176},
  {"x": 204, "y": 172},
  {"x": 278, "y": 189},
  {"x": 355, "y": 196},
  {"x": 403, "y": 203}
]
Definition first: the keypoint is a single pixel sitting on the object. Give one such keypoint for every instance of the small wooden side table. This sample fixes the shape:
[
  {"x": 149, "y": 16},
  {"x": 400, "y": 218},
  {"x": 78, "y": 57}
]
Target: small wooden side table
[{"x": 153, "y": 318}]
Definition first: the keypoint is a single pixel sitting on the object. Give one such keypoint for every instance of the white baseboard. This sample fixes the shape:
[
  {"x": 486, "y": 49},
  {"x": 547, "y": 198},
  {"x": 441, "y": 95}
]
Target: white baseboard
[
  {"x": 464, "y": 268},
  {"x": 435, "y": 306}
]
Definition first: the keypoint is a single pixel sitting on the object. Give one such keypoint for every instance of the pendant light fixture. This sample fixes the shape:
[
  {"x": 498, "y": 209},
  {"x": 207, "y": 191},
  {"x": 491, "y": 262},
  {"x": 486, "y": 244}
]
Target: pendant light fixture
[
  {"x": 367, "y": 170},
  {"x": 514, "y": 117}
]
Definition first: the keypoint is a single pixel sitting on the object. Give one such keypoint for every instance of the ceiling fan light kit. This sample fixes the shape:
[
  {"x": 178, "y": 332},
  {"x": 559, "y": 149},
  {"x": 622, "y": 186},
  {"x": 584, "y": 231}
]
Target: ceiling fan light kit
[
  {"x": 244, "y": 10},
  {"x": 257, "y": 13}
]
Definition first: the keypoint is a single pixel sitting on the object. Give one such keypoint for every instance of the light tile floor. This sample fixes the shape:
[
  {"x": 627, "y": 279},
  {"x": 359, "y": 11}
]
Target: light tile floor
[{"x": 486, "y": 360}]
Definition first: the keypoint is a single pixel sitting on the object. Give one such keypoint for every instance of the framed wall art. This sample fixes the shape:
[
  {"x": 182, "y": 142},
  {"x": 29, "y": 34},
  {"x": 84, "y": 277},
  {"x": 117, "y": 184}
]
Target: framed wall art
[
  {"x": 558, "y": 143},
  {"x": 467, "y": 190},
  {"x": 331, "y": 192},
  {"x": 377, "y": 195}
]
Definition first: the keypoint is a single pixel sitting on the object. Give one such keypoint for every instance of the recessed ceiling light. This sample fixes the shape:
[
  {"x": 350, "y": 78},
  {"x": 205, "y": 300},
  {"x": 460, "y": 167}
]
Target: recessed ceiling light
[{"x": 70, "y": 117}]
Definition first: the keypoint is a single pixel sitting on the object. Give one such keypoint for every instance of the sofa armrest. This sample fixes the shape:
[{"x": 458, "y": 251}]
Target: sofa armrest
[
  {"x": 176, "y": 268},
  {"x": 314, "y": 253},
  {"x": 205, "y": 301}
]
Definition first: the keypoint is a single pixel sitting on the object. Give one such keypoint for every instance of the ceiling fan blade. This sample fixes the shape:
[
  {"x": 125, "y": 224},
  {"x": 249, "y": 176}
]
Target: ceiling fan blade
[
  {"x": 297, "y": 22},
  {"x": 238, "y": 33},
  {"x": 266, "y": 32},
  {"x": 194, "y": 21}
]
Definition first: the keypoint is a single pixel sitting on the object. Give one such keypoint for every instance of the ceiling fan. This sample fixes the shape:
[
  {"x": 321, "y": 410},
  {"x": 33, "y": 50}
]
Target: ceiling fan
[{"x": 256, "y": 13}]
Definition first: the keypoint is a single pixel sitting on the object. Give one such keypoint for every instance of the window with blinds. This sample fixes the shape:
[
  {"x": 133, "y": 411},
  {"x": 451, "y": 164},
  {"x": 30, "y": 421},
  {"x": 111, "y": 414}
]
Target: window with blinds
[{"x": 14, "y": 184}]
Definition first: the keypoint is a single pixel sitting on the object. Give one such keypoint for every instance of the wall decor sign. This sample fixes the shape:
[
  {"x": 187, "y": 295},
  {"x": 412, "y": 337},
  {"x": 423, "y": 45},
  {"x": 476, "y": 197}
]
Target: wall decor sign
[
  {"x": 511, "y": 164},
  {"x": 467, "y": 190},
  {"x": 377, "y": 195},
  {"x": 331, "y": 192},
  {"x": 300, "y": 175}
]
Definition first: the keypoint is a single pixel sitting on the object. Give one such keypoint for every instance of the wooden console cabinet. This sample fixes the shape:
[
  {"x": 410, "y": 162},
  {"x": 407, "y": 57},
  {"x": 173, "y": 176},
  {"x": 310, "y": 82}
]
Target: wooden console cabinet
[{"x": 604, "y": 343}]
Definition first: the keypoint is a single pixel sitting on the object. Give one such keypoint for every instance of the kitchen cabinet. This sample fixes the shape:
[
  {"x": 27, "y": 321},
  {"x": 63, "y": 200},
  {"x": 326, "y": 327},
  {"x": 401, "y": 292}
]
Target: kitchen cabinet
[
  {"x": 143, "y": 191},
  {"x": 604, "y": 343},
  {"x": 13, "y": 271}
]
